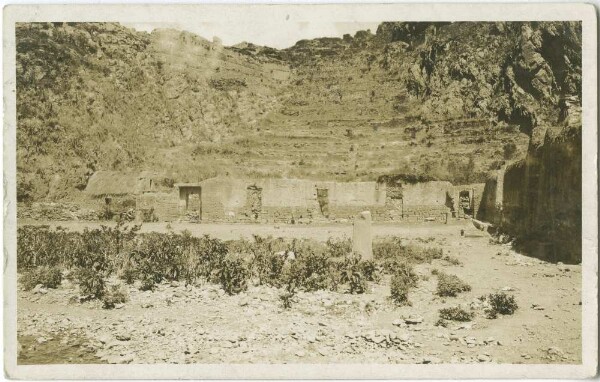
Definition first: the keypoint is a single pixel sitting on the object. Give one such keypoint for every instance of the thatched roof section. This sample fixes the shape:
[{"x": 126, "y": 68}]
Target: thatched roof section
[{"x": 112, "y": 183}]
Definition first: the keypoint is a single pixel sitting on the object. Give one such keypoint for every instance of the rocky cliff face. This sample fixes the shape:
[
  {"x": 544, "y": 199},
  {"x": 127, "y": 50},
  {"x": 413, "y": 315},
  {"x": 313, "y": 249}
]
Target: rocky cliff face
[
  {"x": 448, "y": 101},
  {"x": 524, "y": 74},
  {"x": 537, "y": 200}
]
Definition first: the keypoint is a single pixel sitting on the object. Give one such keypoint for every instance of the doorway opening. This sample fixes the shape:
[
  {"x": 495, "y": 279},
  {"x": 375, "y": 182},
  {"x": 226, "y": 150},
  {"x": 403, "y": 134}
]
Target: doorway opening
[
  {"x": 323, "y": 199},
  {"x": 464, "y": 200},
  {"x": 191, "y": 201},
  {"x": 254, "y": 195}
]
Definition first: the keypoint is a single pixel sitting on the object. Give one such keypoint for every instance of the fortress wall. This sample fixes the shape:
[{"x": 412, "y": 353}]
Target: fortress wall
[
  {"x": 355, "y": 194},
  {"x": 288, "y": 193},
  {"x": 223, "y": 198},
  {"x": 297, "y": 200},
  {"x": 165, "y": 205},
  {"x": 426, "y": 194}
]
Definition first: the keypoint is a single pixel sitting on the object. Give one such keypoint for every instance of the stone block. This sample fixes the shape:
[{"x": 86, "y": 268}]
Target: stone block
[{"x": 362, "y": 241}]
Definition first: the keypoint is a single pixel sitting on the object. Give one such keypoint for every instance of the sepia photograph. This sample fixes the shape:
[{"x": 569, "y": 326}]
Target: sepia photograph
[{"x": 299, "y": 188}]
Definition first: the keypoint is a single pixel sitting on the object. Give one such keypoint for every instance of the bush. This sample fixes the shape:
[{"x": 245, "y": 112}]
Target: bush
[
  {"x": 452, "y": 260},
  {"x": 91, "y": 282},
  {"x": 47, "y": 276},
  {"x": 352, "y": 273},
  {"x": 128, "y": 273},
  {"x": 456, "y": 314},
  {"x": 403, "y": 279},
  {"x": 40, "y": 245},
  {"x": 370, "y": 270},
  {"x": 390, "y": 251},
  {"x": 450, "y": 285},
  {"x": 233, "y": 275},
  {"x": 115, "y": 294},
  {"x": 407, "y": 273},
  {"x": 267, "y": 262},
  {"x": 502, "y": 303},
  {"x": 310, "y": 271},
  {"x": 287, "y": 298},
  {"x": 339, "y": 247},
  {"x": 399, "y": 291}
]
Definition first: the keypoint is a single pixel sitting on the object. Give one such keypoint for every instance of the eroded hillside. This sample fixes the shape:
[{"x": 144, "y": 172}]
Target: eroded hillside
[{"x": 446, "y": 101}]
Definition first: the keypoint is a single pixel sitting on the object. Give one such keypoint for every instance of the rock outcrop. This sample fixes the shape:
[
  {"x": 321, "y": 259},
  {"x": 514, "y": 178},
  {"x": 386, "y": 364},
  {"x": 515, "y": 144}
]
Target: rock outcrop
[{"x": 445, "y": 101}]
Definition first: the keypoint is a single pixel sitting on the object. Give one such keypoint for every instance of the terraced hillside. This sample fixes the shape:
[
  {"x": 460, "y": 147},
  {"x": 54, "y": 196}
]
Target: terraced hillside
[{"x": 435, "y": 100}]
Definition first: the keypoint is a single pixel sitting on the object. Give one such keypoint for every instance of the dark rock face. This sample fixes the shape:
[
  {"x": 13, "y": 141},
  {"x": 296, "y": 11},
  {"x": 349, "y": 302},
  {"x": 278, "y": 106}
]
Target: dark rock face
[
  {"x": 538, "y": 200},
  {"x": 526, "y": 74},
  {"x": 548, "y": 220}
]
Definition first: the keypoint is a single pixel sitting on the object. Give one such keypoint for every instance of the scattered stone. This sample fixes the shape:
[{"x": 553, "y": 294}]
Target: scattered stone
[
  {"x": 465, "y": 326},
  {"x": 39, "y": 289},
  {"x": 413, "y": 320},
  {"x": 428, "y": 359},
  {"x": 484, "y": 358},
  {"x": 300, "y": 353},
  {"x": 213, "y": 350},
  {"x": 123, "y": 337}
]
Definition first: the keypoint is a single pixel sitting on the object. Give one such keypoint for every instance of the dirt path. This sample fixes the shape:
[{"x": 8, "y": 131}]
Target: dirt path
[
  {"x": 321, "y": 232},
  {"x": 176, "y": 324}
]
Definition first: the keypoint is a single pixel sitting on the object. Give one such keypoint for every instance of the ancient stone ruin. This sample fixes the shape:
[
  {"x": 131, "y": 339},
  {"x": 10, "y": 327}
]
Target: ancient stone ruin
[{"x": 229, "y": 199}]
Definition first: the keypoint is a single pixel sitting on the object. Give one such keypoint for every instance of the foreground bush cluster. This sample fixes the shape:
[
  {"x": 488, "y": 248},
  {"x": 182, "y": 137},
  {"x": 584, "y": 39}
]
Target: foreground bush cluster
[{"x": 146, "y": 259}]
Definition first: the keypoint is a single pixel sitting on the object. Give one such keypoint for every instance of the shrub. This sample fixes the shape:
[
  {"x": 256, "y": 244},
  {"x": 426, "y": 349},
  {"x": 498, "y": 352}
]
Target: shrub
[
  {"x": 390, "y": 251},
  {"x": 452, "y": 260},
  {"x": 91, "y": 282},
  {"x": 115, "y": 294},
  {"x": 233, "y": 275},
  {"x": 502, "y": 303},
  {"x": 491, "y": 313},
  {"x": 399, "y": 290},
  {"x": 207, "y": 255},
  {"x": 352, "y": 274},
  {"x": 456, "y": 314},
  {"x": 310, "y": 271},
  {"x": 339, "y": 247},
  {"x": 47, "y": 276},
  {"x": 450, "y": 285},
  {"x": 407, "y": 273},
  {"x": 403, "y": 279},
  {"x": 128, "y": 273},
  {"x": 370, "y": 270},
  {"x": 287, "y": 298},
  {"x": 40, "y": 245},
  {"x": 267, "y": 263}
]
